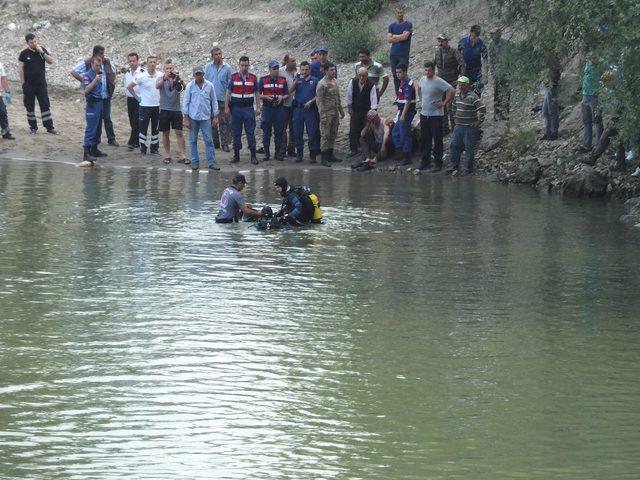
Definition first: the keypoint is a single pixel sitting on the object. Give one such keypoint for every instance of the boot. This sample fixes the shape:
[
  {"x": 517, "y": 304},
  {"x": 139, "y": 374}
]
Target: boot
[
  {"x": 267, "y": 155},
  {"x": 279, "y": 155},
  {"x": 236, "y": 156},
  {"x": 326, "y": 162},
  {"x": 254, "y": 158},
  {"x": 332, "y": 157},
  {"x": 312, "y": 157},
  {"x": 97, "y": 153},
  {"x": 291, "y": 151},
  {"x": 406, "y": 159},
  {"x": 299, "y": 155},
  {"x": 88, "y": 156}
]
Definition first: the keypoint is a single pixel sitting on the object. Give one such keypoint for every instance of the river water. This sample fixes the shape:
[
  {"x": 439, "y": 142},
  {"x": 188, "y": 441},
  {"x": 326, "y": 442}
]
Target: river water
[{"x": 433, "y": 328}]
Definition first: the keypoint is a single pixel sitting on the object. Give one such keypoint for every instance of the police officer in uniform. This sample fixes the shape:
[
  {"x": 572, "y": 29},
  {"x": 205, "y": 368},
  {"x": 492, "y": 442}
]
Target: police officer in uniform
[
  {"x": 305, "y": 113},
  {"x": 239, "y": 101},
  {"x": 331, "y": 111},
  {"x": 273, "y": 92},
  {"x": 406, "y": 103},
  {"x": 92, "y": 84}
]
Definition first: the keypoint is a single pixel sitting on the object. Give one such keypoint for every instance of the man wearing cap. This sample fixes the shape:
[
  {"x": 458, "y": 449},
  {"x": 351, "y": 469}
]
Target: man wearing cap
[
  {"x": 374, "y": 69},
  {"x": 273, "y": 92},
  {"x": 289, "y": 72},
  {"x": 399, "y": 36},
  {"x": 469, "y": 114},
  {"x": 431, "y": 90},
  {"x": 317, "y": 66},
  {"x": 331, "y": 111},
  {"x": 241, "y": 95},
  {"x": 232, "y": 205},
  {"x": 450, "y": 65},
  {"x": 200, "y": 112},
  {"x": 305, "y": 113},
  {"x": 218, "y": 73},
  {"x": 406, "y": 103},
  {"x": 500, "y": 55},
  {"x": 361, "y": 97},
  {"x": 474, "y": 53}
]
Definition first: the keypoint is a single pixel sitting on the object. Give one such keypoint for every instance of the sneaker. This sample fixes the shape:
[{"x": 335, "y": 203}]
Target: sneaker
[
  {"x": 636, "y": 173},
  {"x": 53, "y": 131},
  {"x": 450, "y": 170},
  {"x": 8, "y": 136},
  {"x": 85, "y": 163},
  {"x": 113, "y": 143},
  {"x": 97, "y": 153},
  {"x": 33, "y": 131},
  {"x": 131, "y": 148},
  {"x": 155, "y": 152},
  {"x": 214, "y": 167}
]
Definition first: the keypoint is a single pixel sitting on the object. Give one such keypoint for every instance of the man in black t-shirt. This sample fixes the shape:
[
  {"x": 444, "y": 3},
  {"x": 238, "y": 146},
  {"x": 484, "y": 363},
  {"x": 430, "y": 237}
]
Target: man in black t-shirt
[{"x": 31, "y": 66}]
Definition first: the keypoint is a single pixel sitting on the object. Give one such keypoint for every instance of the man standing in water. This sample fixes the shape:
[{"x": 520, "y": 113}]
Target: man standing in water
[{"x": 232, "y": 205}]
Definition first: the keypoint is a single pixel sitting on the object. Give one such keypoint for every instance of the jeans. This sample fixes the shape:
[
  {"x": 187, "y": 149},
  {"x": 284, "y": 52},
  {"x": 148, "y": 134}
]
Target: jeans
[
  {"x": 207, "y": 136},
  {"x": 590, "y": 116},
  {"x": 133, "y": 111},
  {"x": 464, "y": 137},
  {"x": 431, "y": 132},
  {"x": 551, "y": 112},
  {"x": 396, "y": 60},
  {"x": 106, "y": 118},
  {"x": 243, "y": 116},
  {"x": 401, "y": 134},
  {"x": 306, "y": 118},
  {"x": 93, "y": 115}
]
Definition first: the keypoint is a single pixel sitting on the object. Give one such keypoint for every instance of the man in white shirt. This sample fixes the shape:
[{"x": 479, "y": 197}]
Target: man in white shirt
[
  {"x": 132, "y": 102},
  {"x": 290, "y": 72},
  {"x": 149, "y": 99},
  {"x": 4, "y": 119}
]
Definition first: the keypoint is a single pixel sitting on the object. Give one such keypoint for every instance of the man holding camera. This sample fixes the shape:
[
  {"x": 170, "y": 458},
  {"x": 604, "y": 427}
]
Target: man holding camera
[{"x": 170, "y": 86}]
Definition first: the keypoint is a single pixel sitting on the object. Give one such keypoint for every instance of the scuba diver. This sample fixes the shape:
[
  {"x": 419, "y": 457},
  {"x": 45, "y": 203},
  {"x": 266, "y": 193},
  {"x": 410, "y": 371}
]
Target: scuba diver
[
  {"x": 232, "y": 205},
  {"x": 300, "y": 206}
]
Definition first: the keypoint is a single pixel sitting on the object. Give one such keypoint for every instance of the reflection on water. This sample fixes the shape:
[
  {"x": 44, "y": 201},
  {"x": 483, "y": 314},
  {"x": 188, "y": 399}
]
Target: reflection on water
[{"x": 432, "y": 328}]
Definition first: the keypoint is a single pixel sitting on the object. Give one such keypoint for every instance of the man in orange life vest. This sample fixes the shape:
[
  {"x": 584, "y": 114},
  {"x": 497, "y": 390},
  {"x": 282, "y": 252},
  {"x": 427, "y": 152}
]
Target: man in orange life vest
[
  {"x": 273, "y": 92},
  {"x": 241, "y": 93}
]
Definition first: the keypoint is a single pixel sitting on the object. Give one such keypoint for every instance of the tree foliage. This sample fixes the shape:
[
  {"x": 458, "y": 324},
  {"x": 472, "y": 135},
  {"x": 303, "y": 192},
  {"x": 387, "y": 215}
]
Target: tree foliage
[
  {"x": 606, "y": 28},
  {"x": 345, "y": 23}
]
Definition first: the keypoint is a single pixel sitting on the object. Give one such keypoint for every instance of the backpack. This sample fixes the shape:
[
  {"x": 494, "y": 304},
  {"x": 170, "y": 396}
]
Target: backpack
[{"x": 311, "y": 211}]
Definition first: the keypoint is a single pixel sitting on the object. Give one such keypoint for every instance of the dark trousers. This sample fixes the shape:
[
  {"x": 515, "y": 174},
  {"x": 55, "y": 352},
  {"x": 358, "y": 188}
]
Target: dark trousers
[
  {"x": 133, "y": 108},
  {"x": 106, "y": 118},
  {"x": 272, "y": 120},
  {"x": 4, "y": 118},
  {"x": 288, "y": 136},
  {"x": 448, "y": 121},
  {"x": 501, "y": 99},
  {"x": 148, "y": 115},
  {"x": 356, "y": 124},
  {"x": 431, "y": 134},
  {"x": 39, "y": 91}
]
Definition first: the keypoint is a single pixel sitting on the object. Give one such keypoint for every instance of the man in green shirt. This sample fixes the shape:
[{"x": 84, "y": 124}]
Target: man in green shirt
[{"x": 591, "y": 114}]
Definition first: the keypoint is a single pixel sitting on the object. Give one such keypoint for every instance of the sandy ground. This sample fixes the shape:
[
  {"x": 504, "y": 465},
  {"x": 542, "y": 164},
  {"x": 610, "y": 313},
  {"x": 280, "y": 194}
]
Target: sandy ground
[{"x": 68, "y": 117}]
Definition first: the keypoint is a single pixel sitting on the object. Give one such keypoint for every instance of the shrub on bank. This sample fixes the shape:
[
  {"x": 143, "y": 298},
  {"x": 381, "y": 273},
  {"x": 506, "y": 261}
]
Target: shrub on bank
[{"x": 345, "y": 23}]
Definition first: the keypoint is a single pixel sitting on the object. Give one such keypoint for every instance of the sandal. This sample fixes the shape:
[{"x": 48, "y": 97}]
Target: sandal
[
  {"x": 186, "y": 161},
  {"x": 167, "y": 160}
]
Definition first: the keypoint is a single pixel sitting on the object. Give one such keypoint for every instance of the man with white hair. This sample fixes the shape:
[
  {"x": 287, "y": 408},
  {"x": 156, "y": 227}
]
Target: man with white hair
[{"x": 361, "y": 97}]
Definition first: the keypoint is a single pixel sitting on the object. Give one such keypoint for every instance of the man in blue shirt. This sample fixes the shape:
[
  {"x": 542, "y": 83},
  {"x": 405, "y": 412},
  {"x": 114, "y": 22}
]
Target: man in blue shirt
[
  {"x": 317, "y": 66},
  {"x": 305, "y": 113},
  {"x": 200, "y": 112},
  {"x": 406, "y": 103},
  {"x": 92, "y": 81},
  {"x": 399, "y": 37},
  {"x": 475, "y": 56},
  {"x": 218, "y": 73},
  {"x": 106, "y": 90}
]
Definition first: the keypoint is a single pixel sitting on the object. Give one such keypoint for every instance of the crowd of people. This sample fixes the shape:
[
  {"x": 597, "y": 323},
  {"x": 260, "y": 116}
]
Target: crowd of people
[{"x": 221, "y": 105}]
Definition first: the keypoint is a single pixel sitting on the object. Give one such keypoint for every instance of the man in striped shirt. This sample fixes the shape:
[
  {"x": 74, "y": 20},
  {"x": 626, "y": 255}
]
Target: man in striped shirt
[{"x": 469, "y": 113}]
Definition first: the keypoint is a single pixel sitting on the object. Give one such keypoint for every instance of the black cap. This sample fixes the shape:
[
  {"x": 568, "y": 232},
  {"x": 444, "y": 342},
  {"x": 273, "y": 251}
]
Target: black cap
[
  {"x": 239, "y": 178},
  {"x": 282, "y": 183}
]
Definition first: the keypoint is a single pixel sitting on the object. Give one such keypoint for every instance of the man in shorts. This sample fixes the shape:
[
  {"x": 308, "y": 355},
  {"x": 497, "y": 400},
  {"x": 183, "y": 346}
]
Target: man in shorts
[{"x": 170, "y": 86}]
